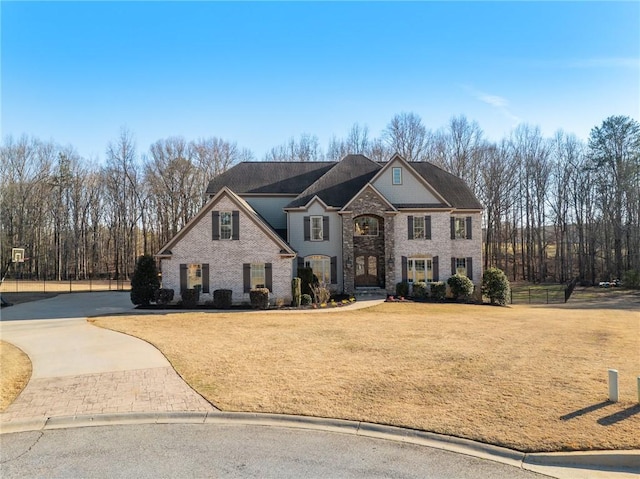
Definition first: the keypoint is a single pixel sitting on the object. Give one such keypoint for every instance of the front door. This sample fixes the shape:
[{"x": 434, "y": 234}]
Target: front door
[{"x": 366, "y": 271}]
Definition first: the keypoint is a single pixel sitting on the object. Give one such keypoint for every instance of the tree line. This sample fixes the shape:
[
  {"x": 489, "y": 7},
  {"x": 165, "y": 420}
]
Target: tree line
[{"x": 556, "y": 208}]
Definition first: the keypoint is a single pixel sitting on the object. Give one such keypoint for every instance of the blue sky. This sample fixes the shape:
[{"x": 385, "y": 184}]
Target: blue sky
[{"x": 260, "y": 73}]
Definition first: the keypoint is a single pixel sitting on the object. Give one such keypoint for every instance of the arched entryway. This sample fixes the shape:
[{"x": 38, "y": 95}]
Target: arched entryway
[{"x": 368, "y": 251}]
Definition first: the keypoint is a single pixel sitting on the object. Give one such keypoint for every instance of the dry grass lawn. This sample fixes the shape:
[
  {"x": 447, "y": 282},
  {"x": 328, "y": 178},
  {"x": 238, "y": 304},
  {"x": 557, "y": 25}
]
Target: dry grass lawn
[
  {"x": 15, "y": 371},
  {"x": 529, "y": 378}
]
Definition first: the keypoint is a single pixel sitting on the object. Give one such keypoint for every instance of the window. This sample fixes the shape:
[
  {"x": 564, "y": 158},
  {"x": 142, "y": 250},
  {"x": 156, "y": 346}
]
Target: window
[
  {"x": 226, "y": 225},
  {"x": 316, "y": 228},
  {"x": 461, "y": 266},
  {"x": 321, "y": 266},
  {"x": 258, "y": 279},
  {"x": 365, "y": 226},
  {"x": 461, "y": 227},
  {"x": 418, "y": 227},
  {"x": 194, "y": 276},
  {"x": 396, "y": 175},
  {"x": 419, "y": 269}
]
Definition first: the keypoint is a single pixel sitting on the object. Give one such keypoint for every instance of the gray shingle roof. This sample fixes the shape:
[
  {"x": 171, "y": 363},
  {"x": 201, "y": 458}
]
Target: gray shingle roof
[
  {"x": 334, "y": 182},
  {"x": 338, "y": 185},
  {"x": 270, "y": 177}
]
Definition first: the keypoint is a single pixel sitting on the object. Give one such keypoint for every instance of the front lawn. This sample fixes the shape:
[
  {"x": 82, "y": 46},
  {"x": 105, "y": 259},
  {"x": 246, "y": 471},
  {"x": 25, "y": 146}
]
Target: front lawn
[
  {"x": 529, "y": 378},
  {"x": 15, "y": 373}
]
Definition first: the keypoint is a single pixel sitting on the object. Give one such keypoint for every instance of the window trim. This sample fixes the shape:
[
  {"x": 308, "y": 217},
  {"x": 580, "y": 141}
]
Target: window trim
[
  {"x": 326, "y": 266},
  {"x": 396, "y": 180},
  {"x": 416, "y": 219},
  {"x": 225, "y": 226},
  {"x": 355, "y": 220},
  {"x": 411, "y": 268},
  {"x": 319, "y": 229}
]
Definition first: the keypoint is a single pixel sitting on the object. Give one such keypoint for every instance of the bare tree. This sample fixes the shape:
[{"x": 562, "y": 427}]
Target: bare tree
[
  {"x": 406, "y": 135},
  {"x": 307, "y": 148}
]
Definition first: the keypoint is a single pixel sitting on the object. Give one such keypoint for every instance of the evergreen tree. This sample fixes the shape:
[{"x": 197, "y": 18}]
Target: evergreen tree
[{"x": 145, "y": 282}]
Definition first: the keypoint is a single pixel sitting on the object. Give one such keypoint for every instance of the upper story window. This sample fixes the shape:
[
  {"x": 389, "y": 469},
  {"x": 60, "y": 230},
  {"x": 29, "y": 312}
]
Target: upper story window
[
  {"x": 226, "y": 225},
  {"x": 418, "y": 227},
  {"x": 316, "y": 228},
  {"x": 396, "y": 175},
  {"x": 461, "y": 227},
  {"x": 365, "y": 226}
]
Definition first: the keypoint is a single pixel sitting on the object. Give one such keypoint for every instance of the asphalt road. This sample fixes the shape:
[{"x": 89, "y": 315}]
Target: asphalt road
[{"x": 228, "y": 451}]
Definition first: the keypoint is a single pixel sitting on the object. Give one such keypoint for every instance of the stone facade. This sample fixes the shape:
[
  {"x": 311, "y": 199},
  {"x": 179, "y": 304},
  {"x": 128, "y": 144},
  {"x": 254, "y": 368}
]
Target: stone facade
[{"x": 369, "y": 204}]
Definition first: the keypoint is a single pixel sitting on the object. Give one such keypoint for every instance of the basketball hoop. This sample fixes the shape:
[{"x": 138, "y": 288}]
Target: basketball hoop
[{"x": 17, "y": 255}]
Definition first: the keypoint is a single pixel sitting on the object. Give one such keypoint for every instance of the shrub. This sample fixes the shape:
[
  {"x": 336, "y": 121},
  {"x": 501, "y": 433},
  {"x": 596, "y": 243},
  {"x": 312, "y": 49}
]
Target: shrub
[
  {"x": 305, "y": 299},
  {"x": 461, "y": 286},
  {"x": 438, "y": 291},
  {"x": 402, "y": 289},
  {"x": 631, "y": 279},
  {"x": 164, "y": 296},
  {"x": 495, "y": 286},
  {"x": 190, "y": 298},
  {"x": 420, "y": 290},
  {"x": 308, "y": 280},
  {"x": 222, "y": 298},
  {"x": 259, "y": 298},
  {"x": 144, "y": 282},
  {"x": 321, "y": 293}
]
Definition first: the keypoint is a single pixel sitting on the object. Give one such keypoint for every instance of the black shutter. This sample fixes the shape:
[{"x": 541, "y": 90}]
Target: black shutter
[
  {"x": 404, "y": 268},
  {"x": 453, "y": 228},
  {"x": 325, "y": 228},
  {"x": 246, "y": 277},
  {"x": 235, "y": 225},
  {"x": 300, "y": 264},
  {"x": 410, "y": 227},
  {"x": 205, "y": 278},
  {"x": 307, "y": 228},
  {"x": 436, "y": 269},
  {"x": 215, "y": 225},
  {"x": 453, "y": 266},
  {"x": 334, "y": 270},
  {"x": 268, "y": 277},
  {"x": 183, "y": 278},
  {"x": 470, "y": 268},
  {"x": 468, "y": 227},
  {"x": 427, "y": 227}
]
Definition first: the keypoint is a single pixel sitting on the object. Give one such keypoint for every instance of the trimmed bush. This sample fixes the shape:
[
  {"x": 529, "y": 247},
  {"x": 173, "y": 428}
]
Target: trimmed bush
[
  {"x": 402, "y": 289},
  {"x": 461, "y": 286},
  {"x": 296, "y": 291},
  {"x": 190, "y": 298},
  {"x": 144, "y": 282},
  {"x": 420, "y": 290},
  {"x": 222, "y": 298},
  {"x": 305, "y": 300},
  {"x": 438, "y": 291},
  {"x": 495, "y": 285},
  {"x": 259, "y": 298},
  {"x": 164, "y": 296}
]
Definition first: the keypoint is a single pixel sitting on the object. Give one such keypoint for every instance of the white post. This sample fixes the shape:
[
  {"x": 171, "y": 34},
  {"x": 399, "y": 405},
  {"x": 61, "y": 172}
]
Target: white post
[{"x": 613, "y": 385}]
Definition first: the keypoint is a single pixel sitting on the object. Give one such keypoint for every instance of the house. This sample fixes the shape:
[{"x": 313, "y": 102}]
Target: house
[{"x": 356, "y": 222}]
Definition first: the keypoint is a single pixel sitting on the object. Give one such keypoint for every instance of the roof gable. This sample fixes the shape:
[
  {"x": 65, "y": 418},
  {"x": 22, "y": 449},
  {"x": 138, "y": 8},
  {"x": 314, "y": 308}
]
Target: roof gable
[
  {"x": 414, "y": 187},
  {"x": 243, "y": 206},
  {"x": 338, "y": 185}
]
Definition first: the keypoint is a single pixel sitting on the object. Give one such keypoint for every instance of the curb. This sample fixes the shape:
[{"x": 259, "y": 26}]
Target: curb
[{"x": 569, "y": 464}]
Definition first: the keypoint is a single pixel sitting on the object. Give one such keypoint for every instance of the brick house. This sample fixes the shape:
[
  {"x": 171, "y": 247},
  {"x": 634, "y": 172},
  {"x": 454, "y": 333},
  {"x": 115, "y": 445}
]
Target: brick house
[{"x": 357, "y": 223}]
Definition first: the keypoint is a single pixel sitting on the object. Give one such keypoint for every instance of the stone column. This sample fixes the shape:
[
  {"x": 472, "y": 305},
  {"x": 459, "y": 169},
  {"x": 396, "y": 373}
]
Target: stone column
[
  {"x": 390, "y": 253},
  {"x": 348, "y": 261}
]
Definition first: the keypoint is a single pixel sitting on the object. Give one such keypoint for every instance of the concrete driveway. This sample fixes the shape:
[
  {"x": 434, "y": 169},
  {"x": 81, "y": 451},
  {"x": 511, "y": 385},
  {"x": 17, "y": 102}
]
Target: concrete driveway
[{"x": 82, "y": 369}]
